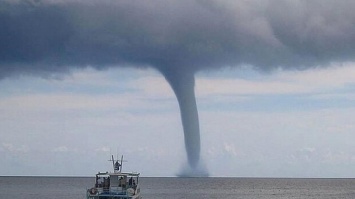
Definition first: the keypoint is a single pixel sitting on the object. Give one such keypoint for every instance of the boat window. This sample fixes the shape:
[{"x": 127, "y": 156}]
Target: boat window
[
  {"x": 99, "y": 181},
  {"x": 122, "y": 181}
]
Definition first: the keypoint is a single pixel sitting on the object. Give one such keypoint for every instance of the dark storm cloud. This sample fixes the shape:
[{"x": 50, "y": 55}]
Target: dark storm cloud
[
  {"x": 49, "y": 36},
  {"x": 316, "y": 31}
]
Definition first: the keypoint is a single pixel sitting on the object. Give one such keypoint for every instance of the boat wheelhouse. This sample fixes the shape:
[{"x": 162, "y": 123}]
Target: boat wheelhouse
[{"x": 115, "y": 185}]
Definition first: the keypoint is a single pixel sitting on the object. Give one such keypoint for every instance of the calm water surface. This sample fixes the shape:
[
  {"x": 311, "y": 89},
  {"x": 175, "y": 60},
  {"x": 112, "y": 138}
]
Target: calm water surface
[{"x": 181, "y": 188}]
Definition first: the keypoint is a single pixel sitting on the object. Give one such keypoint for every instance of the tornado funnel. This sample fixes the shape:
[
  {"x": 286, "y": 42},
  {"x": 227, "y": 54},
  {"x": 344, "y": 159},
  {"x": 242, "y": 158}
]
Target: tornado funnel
[{"x": 183, "y": 83}]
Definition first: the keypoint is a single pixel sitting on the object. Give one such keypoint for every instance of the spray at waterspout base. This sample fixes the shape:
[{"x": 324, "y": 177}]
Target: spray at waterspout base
[{"x": 199, "y": 171}]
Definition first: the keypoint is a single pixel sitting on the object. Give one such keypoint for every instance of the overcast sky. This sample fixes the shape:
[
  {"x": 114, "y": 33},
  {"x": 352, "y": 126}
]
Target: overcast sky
[{"x": 81, "y": 80}]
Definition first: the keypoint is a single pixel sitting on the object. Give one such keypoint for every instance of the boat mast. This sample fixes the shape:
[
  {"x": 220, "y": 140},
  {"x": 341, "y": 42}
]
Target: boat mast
[
  {"x": 117, "y": 167},
  {"x": 113, "y": 163},
  {"x": 121, "y": 163}
]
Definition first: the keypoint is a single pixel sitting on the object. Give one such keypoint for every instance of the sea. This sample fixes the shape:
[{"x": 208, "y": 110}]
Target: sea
[{"x": 184, "y": 188}]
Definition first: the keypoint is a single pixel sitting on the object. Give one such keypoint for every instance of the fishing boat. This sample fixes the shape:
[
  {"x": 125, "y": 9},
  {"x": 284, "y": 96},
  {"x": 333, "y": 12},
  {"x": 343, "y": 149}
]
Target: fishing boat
[{"x": 116, "y": 184}]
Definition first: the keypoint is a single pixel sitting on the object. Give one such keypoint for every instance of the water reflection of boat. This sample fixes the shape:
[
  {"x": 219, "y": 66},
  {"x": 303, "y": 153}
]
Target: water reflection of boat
[{"x": 116, "y": 184}]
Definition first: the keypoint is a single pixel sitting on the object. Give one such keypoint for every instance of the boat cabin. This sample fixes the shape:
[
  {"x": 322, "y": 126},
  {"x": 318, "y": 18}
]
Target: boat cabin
[{"x": 115, "y": 181}]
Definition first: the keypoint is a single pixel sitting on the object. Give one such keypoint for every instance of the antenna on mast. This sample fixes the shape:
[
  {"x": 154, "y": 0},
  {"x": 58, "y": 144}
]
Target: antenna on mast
[
  {"x": 113, "y": 162},
  {"x": 121, "y": 163}
]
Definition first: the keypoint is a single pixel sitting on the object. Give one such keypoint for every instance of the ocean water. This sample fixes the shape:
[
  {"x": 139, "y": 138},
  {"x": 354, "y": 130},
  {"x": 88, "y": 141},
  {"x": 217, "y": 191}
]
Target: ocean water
[{"x": 184, "y": 188}]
